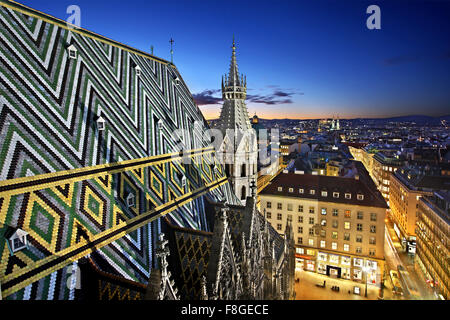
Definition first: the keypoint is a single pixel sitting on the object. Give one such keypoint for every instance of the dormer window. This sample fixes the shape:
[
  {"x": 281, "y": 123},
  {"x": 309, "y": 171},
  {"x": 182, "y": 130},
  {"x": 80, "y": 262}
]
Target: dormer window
[
  {"x": 101, "y": 124},
  {"x": 301, "y": 190},
  {"x": 177, "y": 81},
  {"x": 73, "y": 52},
  {"x": 360, "y": 197},
  {"x": 280, "y": 188},
  {"x": 312, "y": 191},
  {"x": 160, "y": 124},
  {"x": 291, "y": 190},
  {"x": 138, "y": 70},
  {"x": 183, "y": 181},
  {"x": 348, "y": 196},
  {"x": 324, "y": 193},
  {"x": 335, "y": 194},
  {"x": 18, "y": 240},
  {"x": 130, "y": 200}
]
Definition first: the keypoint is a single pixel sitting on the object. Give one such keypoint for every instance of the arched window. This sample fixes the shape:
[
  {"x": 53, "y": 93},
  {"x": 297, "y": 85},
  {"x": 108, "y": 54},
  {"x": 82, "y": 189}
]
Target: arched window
[
  {"x": 227, "y": 169},
  {"x": 243, "y": 193}
]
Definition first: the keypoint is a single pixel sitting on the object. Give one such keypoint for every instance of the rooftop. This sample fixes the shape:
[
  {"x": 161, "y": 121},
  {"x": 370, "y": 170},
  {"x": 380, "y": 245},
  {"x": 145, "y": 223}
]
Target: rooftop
[{"x": 333, "y": 185}]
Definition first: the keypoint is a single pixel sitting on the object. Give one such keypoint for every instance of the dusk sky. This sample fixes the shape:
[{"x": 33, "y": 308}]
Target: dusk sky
[{"x": 303, "y": 59}]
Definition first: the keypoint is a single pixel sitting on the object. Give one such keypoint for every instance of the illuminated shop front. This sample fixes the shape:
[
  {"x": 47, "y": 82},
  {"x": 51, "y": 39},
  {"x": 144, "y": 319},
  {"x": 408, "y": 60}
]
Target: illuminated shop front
[
  {"x": 333, "y": 265},
  {"x": 305, "y": 260}
]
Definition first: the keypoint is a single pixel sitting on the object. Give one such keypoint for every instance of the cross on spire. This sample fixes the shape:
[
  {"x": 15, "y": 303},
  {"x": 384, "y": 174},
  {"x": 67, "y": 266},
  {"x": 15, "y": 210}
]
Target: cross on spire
[{"x": 171, "y": 41}]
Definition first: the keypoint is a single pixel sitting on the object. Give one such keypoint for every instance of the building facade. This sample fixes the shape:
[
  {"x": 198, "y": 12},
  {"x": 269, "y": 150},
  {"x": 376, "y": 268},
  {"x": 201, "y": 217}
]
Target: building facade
[
  {"x": 407, "y": 186},
  {"x": 433, "y": 242},
  {"x": 338, "y": 223},
  {"x": 383, "y": 166}
]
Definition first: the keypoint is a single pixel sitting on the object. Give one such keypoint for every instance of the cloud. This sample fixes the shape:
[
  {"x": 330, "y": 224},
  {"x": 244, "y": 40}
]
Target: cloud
[
  {"x": 207, "y": 97},
  {"x": 277, "y": 96}
]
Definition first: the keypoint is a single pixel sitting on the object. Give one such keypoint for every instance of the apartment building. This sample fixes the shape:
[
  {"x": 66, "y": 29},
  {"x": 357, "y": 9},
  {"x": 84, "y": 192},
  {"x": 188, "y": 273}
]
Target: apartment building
[
  {"x": 383, "y": 165},
  {"x": 433, "y": 242},
  {"x": 338, "y": 223},
  {"x": 407, "y": 186}
]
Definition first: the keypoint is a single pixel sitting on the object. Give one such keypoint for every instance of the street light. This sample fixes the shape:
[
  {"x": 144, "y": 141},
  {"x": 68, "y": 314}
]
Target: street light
[{"x": 365, "y": 270}]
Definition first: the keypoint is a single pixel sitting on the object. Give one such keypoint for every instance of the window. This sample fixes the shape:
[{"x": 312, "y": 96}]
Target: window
[
  {"x": 335, "y": 212},
  {"x": 300, "y": 219},
  {"x": 324, "y": 194},
  {"x": 280, "y": 188},
  {"x": 300, "y": 230},
  {"x": 358, "y": 250},
  {"x": 311, "y": 231},
  {"x": 101, "y": 124},
  {"x": 300, "y": 241},
  {"x": 359, "y": 227},
  {"x": 334, "y": 245},
  {"x": 310, "y": 252},
  {"x": 311, "y": 242},
  {"x": 279, "y": 206},
  {"x": 334, "y": 235},
  {"x": 301, "y": 190},
  {"x": 373, "y": 217},
  {"x": 311, "y": 209},
  {"x": 323, "y": 222},
  {"x": 335, "y": 194},
  {"x": 279, "y": 226},
  {"x": 279, "y": 216},
  {"x": 289, "y": 207},
  {"x": 72, "y": 52},
  {"x": 360, "y": 215},
  {"x": 348, "y": 196},
  {"x": 360, "y": 197},
  {"x": 346, "y": 247},
  {"x": 358, "y": 238},
  {"x": 347, "y": 236},
  {"x": 372, "y": 240},
  {"x": 371, "y": 252},
  {"x": 300, "y": 208},
  {"x": 269, "y": 204},
  {"x": 322, "y": 244},
  {"x": 269, "y": 215},
  {"x": 312, "y": 191},
  {"x": 347, "y": 225},
  {"x": 311, "y": 220},
  {"x": 348, "y": 214},
  {"x": 334, "y": 224},
  {"x": 291, "y": 190},
  {"x": 373, "y": 229},
  {"x": 138, "y": 71},
  {"x": 323, "y": 233},
  {"x": 324, "y": 211},
  {"x": 130, "y": 200}
]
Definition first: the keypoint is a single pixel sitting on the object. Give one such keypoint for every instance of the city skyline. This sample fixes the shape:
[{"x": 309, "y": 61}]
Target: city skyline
[{"x": 310, "y": 47}]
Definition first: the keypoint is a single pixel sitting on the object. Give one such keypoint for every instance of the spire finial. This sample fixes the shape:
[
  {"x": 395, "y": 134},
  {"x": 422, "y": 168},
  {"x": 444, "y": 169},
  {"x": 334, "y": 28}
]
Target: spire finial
[{"x": 171, "y": 50}]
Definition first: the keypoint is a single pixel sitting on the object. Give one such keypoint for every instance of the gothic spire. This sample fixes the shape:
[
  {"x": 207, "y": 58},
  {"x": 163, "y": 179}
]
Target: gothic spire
[{"x": 233, "y": 75}]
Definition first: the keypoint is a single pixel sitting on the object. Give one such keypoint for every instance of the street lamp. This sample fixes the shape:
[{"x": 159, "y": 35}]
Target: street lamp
[{"x": 365, "y": 270}]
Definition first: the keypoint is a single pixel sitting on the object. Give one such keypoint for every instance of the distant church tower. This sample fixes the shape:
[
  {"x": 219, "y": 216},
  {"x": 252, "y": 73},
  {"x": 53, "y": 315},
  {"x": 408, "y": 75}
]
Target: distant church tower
[{"x": 239, "y": 147}]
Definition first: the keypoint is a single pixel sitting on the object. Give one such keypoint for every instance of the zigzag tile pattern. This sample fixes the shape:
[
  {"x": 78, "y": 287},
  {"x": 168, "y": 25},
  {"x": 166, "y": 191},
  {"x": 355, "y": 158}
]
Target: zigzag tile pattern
[{"x": 49, "y": 108}]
